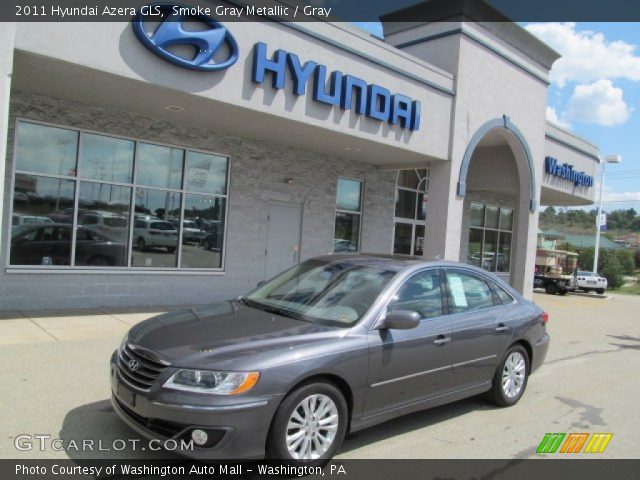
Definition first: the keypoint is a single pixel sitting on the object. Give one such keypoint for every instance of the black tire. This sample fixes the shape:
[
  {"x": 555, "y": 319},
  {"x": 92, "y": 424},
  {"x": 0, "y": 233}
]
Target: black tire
[
  {"x": 563, "y": 291},
  {"x": 600, "y": 291},
  {"x": 497, "y": 394},
  {"x": 171, "y": 249},
  {"x": 206, "y": 245},
  {"x": 276, "y": 447},
  {"x": 551, "y": 288},
  {"x": 141, "y": 244}
]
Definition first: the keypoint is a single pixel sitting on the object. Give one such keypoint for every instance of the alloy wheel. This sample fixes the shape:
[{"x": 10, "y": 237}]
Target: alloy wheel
[
  {"x": 513, "y": 374},
  {"x": 312, "y": 427}
]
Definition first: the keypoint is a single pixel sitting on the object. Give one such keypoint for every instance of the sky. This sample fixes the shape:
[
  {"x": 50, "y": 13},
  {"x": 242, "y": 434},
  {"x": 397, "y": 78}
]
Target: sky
[{"x": 595, "y": 92}]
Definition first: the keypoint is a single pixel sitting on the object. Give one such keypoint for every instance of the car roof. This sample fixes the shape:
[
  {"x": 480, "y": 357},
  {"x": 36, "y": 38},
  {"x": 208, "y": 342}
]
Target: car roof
[{"x": 392, "y": 261}]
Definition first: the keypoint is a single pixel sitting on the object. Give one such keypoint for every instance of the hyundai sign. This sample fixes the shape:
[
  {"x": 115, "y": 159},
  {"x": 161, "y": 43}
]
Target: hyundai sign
[
  {"x": 346, "y": 91},
  {"x": 566, "y": 171}
]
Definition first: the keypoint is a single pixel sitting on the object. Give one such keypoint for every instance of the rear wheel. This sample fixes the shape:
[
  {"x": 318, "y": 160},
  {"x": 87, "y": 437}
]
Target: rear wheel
[
  {"x": 141, "y": 244},
  {"x": 171, "y": 249},
  {"x": 599, "y": 291},
  {"x": 510, "y": 379},
  {"x": 551, "y": 288},
  {"x": 309, "y": 425}
]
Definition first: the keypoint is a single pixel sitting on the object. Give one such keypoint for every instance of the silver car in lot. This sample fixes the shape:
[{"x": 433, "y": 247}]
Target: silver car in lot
[{"x": 333, "y": 345}]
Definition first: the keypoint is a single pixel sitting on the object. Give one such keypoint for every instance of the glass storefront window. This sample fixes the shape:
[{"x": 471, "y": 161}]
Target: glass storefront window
[
  {"x": 203, "y": 231},
  {"x": 106, "y": 158},
  {"x": 346, "y": 236},
  {"x": 490, "y": 236},
  {"x": 111, "y": 209},
  {"x": 405, "y": 204},
  {"x": 477, "y": 215},
  {"x": 206, "y": 173},
  {"x": 155, "y": 232},
  {"x": 104, "y": 209},
  {"x": 402, "y": 238},
  {"x": 44, "y": 149},
  {"x": 159, "y": 166},
  {"x": 491, "y": 217},
  {"x": 410, "y": 211},
  {"x": 349, "y": 195}
]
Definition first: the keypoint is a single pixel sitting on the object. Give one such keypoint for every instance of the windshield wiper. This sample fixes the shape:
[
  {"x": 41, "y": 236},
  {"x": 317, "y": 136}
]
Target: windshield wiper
[{"x": 271, "y": 309}]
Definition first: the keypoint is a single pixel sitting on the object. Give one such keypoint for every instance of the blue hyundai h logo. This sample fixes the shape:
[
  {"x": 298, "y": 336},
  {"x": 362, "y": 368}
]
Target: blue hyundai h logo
[{"x": 171, "y": 33}]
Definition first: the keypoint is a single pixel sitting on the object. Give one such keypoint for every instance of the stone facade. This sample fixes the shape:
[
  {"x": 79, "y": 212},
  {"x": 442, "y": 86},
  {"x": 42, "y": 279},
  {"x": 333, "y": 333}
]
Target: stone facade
[{"x": 258, "y": 170}]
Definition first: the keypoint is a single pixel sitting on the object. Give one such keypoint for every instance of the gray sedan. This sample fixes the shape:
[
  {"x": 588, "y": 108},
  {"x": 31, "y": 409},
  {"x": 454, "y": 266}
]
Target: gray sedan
[{"x": 333, "y": 345}]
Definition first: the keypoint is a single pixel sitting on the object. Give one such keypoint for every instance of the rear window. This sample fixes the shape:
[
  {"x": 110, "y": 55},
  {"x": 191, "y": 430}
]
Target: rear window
[{"x": 162, "y": 226}]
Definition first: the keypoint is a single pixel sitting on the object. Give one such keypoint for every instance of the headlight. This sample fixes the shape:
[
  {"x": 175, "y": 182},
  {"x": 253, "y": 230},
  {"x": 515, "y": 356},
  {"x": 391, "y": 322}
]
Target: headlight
[{"x": 218, "y": 383}]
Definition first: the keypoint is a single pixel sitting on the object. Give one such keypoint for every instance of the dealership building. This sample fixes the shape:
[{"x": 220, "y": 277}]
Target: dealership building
[{"x": 150, "y": 164}]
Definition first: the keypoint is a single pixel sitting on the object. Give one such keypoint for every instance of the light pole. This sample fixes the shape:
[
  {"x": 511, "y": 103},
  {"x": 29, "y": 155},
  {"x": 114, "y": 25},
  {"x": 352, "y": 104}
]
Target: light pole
[{"x": 604, "y": 160}]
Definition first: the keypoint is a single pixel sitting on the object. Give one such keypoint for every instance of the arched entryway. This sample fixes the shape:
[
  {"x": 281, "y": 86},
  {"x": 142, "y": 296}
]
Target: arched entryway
[{"x": 497, "y": 181}]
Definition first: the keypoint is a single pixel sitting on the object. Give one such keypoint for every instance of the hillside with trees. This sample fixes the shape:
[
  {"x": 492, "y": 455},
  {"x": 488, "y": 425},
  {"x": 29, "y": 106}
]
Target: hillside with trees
[{"x": 583, "y": 222}]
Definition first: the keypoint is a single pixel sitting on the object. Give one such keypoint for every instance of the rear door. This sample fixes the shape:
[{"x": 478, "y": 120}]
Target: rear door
[
  {"x": 481, "y": 325},
  {"x": 408, "y": 365}
]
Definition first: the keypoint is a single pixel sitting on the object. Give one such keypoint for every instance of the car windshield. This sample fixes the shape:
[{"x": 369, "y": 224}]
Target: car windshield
[
  {"x": 586, "y": 274},
  {"x": 333, "y": 294}
]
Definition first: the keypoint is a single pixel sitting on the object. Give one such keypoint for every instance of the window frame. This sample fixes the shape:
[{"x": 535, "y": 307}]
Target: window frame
[
  {"x": 128, "y": 269},
  {"x": 359, "y": 213},
  {"x": 414, "y": 222},
  {"x": 498, "y": 231}
]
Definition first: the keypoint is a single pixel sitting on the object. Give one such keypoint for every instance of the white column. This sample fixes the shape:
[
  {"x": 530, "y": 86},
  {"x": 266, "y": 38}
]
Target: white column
[{"x": 7, "y": 40}]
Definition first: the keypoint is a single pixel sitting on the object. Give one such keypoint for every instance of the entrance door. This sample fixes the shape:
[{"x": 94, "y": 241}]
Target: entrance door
[{"x": 283, "y": 237}]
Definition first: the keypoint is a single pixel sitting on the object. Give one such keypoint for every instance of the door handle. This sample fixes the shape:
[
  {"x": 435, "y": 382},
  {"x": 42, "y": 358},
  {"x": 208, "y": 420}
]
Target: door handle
[
  {"x": 441, "y": 340},
  {"x": 502, "y": 328}
]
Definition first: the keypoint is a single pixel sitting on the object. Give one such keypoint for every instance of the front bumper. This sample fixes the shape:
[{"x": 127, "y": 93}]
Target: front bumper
[{"x": 236, "y": 431}]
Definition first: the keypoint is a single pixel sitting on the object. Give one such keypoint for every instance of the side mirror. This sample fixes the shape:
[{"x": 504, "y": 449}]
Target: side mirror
[
  {"x": 401, "y": 320},
  {"x": 261, "y": 283}
]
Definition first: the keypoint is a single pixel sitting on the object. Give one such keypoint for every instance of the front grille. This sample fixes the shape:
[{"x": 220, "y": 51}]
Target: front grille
[
  {"x": 161, "y": 427},
  {"x": 148, "y": 367}
]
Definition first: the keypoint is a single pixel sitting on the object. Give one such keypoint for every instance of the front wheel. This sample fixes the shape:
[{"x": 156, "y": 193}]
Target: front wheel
[
  {"x": 510, "y": 379},
  {"x": 309, "y": 425}
]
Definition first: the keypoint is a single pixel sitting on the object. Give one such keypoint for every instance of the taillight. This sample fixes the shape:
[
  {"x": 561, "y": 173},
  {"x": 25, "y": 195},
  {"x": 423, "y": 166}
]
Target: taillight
[{"x": 545, "y": 317}]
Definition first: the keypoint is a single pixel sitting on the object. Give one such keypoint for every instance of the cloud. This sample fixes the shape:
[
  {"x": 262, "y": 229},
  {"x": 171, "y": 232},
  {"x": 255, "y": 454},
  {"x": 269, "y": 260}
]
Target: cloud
[
  {"x": 552, "y": 116},
  {"x": 621, "y": 196},
  {"x": 586, "y": 55},
  {"x": 599, "y": 102}
]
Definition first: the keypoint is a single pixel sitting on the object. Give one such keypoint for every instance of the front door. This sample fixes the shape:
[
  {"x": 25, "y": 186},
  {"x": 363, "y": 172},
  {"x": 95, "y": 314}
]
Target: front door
[{"x": 283, "y": 237}]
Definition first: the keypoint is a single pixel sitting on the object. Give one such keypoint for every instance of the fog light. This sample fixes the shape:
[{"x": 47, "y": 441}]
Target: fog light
[{"x": 199, "y": 436}]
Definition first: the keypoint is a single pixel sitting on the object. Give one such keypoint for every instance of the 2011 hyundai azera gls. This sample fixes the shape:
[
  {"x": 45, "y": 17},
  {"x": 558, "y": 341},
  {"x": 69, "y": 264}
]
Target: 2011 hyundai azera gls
[{"x": 336, "y": 344}]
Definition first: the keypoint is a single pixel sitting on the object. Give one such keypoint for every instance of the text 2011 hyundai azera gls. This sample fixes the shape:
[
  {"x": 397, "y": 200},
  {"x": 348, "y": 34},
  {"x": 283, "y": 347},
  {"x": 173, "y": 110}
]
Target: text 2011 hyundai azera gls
[{"x": 335, "y": 344}]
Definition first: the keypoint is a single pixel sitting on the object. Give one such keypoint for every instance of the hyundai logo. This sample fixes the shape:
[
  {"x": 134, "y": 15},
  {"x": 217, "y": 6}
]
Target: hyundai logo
[
  {"x": 133, "y": 365},
  {"x": 171, "y": 34}
]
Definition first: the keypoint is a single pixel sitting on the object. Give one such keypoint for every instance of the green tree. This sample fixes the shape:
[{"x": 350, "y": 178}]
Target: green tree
[
  {"x": 637, "y": 258},
  {"x": 611, "y": 270},
  {"x": 585, "y": 259},
  {"x": 626, "y": 260}
]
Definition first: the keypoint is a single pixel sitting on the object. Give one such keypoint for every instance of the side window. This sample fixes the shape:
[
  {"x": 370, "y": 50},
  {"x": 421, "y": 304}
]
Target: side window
[
  {"x": 468, "y": 292},
  {"x": 420, "y": 293},
  {"x": 504, "y": 297}
]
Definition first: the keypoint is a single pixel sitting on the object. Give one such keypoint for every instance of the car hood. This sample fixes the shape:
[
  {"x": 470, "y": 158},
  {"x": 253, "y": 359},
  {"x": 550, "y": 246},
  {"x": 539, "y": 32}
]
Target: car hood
[{"x": 202, "y": 335}]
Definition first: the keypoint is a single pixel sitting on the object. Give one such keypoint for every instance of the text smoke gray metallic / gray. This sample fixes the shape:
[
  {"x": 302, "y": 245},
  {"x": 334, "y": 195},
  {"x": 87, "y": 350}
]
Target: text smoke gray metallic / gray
[{"x": 335, "y": 344}]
